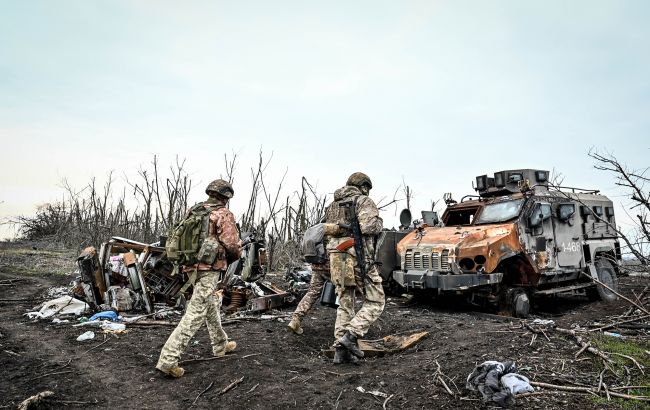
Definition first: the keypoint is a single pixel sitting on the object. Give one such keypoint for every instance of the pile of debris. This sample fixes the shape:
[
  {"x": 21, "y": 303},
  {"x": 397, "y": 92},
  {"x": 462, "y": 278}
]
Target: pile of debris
[{"x": 130, "y": 276}]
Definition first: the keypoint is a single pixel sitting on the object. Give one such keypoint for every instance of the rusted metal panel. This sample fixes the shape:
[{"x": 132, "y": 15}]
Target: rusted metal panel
[
  {"x": 483, "y": 246},
  {"x": 274, "y": 297},
  {"x": 263, "y": 303}
]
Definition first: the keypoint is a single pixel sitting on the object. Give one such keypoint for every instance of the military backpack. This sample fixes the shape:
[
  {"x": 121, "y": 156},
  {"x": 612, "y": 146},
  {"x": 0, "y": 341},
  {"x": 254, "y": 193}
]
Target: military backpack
[
  {"x": 185, "y": 245},
  {"x": 313, "y": 247}
]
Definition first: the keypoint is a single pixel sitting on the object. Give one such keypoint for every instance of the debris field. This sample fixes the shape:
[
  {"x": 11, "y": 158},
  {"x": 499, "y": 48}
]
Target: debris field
[{"x": 273, "y": 368}]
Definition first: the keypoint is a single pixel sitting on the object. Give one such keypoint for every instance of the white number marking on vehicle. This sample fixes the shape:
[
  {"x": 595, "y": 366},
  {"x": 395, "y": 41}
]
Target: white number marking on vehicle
[{"x": 570, "y": 247}]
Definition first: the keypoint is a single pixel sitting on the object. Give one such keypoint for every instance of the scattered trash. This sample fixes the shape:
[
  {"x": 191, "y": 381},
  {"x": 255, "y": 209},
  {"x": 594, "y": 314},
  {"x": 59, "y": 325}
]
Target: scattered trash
[
  {"x": 107, "y": 315},
  {"x": 56, "y": 292},
  {"x": 544, "y": 322},
  {"x": 105, "y": 325},
  {"x": 488, "y": 378},
  {"x": 612, "y": 334},
  {"x": 89, "y": 335},
  {"x": 122, "y": 299},
  {"x": 375, "y": 393},
  {"x": 56, "y": 320},
  {"x": 65, "y": 305},
  {"x": 299, "y": 278},
  {"x": 113, "y": 327}
]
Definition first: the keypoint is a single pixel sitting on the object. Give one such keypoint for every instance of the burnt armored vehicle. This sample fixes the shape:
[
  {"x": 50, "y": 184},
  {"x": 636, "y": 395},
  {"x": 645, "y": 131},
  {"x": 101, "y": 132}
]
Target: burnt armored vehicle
[{"x": 515, "y": 240}]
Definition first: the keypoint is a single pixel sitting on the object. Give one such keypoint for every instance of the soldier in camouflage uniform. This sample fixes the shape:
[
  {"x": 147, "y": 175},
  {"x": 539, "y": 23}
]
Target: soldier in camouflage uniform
[
  {"x": 344, "y": 268},
  {"x": 205, "y": 304},
  {"x": 320, "y": 273}
]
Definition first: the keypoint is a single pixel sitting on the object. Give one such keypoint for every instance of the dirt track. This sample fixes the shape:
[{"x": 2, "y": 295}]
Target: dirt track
[{"x": 282, "y": 370}]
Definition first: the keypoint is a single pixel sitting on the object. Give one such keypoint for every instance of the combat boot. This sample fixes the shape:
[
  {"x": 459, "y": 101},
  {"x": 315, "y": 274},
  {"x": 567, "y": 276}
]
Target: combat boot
[
  {"x": 352, "y": 359},
  {"x": 173, "y": 371},
  {"x": 349, "y": 341},
  {"x": 229, "y": 347},
  {"x": 341, "y": 355},
  {"x": 294, "y": 326}
]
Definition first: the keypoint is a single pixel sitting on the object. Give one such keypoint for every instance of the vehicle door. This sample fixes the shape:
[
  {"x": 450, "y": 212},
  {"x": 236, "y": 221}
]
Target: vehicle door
[
  {"x": 540, "y": 226},
  {"x": 567, "y": 235}
]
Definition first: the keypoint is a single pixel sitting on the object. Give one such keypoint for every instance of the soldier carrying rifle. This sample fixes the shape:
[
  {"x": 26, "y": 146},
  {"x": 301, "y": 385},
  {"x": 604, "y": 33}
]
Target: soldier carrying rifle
[{"x": 352, "y": 224}]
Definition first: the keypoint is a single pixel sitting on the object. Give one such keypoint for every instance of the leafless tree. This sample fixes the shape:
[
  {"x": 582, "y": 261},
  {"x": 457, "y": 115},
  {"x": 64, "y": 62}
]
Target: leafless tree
[
  {"x": 151, "y": 203},
  {"x": 634, "y": 182},
  {"x": 88, "y": 216},
  {"x": 637, "y": 239}
]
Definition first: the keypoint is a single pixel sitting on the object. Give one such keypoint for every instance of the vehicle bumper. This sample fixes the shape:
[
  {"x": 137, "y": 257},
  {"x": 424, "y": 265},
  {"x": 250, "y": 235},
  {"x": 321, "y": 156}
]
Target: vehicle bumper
[{"x": 414, "y": 279}]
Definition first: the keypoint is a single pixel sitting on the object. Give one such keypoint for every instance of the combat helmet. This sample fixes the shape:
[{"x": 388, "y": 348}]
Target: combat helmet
[
  {"x": 221, "y": 187},
  {"x": 359, "y": 179}
]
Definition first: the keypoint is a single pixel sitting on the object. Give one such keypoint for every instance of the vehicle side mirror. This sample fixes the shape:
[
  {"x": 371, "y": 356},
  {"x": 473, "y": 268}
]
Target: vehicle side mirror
[{"x": 405, "y": 218}]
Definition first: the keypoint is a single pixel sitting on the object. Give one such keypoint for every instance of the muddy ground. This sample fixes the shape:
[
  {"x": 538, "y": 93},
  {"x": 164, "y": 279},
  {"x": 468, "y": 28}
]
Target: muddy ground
[{"x": 279, "y": 369}]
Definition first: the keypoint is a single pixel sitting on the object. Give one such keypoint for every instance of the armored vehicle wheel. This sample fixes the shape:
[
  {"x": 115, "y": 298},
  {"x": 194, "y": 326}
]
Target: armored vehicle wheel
[
  {"x": 607, "y": 275},
  {"x": 519, "y": 302}
]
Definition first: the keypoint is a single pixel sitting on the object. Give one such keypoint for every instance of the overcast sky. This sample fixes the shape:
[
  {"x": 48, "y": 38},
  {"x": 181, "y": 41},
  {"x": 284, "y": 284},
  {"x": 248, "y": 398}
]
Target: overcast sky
[{"x": 432, "y": 92}]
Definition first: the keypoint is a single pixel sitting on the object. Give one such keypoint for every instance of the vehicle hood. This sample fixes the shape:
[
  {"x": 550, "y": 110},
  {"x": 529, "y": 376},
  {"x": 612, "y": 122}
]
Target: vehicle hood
[{"x": 494, "y": 242}]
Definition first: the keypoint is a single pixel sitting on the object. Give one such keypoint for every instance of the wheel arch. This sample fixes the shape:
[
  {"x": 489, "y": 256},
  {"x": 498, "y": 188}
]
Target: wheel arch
[
  {"x": 517, "y": 270},
  {"x": 608, "y": 253}
]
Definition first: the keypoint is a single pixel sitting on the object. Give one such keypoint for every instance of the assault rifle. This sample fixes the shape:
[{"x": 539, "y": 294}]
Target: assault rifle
[
  {"x": 251, "y": 266},
  {"x": 355, "y": 228}
]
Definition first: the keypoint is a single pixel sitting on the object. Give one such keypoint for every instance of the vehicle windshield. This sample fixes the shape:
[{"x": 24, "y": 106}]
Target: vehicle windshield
[
  {"x": 463, "y": 216},
  {"x": 500, "y": 212}
]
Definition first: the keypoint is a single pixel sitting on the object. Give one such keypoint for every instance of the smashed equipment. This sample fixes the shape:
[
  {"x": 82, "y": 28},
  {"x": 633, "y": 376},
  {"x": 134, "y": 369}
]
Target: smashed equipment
[{"x": 127, "y": 275}]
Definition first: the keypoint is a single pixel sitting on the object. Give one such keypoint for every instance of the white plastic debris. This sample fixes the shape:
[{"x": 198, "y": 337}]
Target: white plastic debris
[
  {"x": 375, "y": 393},
  {"x": 106, "y": 325},
  {"x": 65, "y": 305},
  {"x": 112, "y": 326},
  {"x": 56, "y": 320},
  {"x": 544, "y": 322},
  {"x": 89, "y": 335}
]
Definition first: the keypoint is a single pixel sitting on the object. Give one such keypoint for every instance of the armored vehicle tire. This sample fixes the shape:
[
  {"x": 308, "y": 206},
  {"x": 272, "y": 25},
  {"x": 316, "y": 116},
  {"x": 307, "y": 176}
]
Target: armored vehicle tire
[
  {"x": 607, "y": 275},
  {"x": 520, "y": 303}
]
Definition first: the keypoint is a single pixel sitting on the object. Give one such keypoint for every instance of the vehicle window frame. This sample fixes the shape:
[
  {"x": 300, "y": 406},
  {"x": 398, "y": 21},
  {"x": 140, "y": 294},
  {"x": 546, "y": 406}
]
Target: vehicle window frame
[
  {"x": 567, "y": 217},
  {"x": 477, "y": 219},
  {"x": 538, "y": 229},
  {"x": 474, "y": 209}
]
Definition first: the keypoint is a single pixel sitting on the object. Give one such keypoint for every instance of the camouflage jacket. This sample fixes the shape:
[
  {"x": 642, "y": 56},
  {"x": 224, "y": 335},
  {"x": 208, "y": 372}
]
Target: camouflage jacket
[
  {"x": 221, "y": 227},
  {"x": 367, "y": 213}
]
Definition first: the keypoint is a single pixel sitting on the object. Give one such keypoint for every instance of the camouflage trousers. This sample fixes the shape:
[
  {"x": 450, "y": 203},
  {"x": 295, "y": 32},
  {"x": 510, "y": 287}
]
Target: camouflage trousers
[
  {"x": 204, "y": 306},
  {"x": 318, "y": 278},
  {"x": 373, "y": 295}
]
